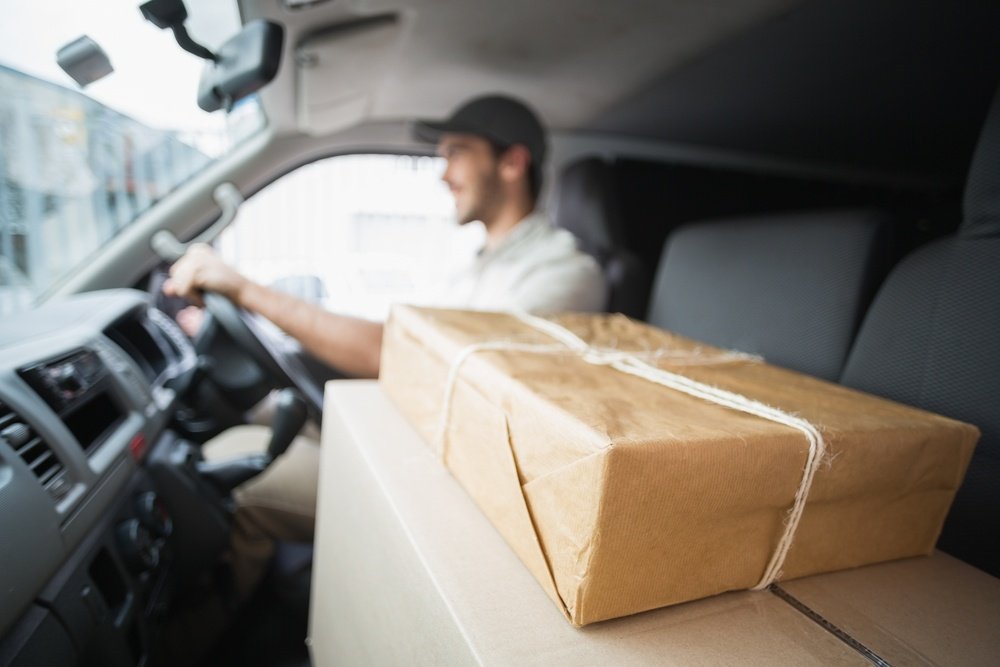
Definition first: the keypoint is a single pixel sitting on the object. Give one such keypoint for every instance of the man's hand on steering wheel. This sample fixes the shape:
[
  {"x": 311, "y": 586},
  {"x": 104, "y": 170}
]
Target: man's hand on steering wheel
[
  {"x": 199, "y": 270},
  {"x": 203, "y": 278}
]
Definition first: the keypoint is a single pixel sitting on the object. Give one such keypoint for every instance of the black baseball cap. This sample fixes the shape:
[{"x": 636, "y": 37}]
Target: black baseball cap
[{"x": 501, "y": 119}]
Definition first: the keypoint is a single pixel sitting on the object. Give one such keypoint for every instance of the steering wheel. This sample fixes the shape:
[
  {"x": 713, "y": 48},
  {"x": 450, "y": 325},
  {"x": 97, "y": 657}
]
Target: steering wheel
[{"x": 284, "y": 369}]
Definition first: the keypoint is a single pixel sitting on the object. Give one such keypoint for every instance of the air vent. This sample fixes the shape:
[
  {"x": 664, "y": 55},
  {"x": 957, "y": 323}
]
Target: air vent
[{"x": 34, "y": 451}]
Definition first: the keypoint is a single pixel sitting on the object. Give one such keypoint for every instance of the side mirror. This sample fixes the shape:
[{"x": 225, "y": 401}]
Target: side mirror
[{"x": 243, "y": 65}]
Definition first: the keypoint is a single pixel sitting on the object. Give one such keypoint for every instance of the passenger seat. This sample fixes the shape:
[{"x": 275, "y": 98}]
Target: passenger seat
[
  {"x": 932, "y": 340},
  {"x": 791, "y": 287}
]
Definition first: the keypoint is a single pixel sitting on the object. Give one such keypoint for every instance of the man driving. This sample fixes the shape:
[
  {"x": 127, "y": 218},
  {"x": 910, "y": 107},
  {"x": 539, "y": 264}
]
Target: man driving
[{"x": 494, "y": 147}]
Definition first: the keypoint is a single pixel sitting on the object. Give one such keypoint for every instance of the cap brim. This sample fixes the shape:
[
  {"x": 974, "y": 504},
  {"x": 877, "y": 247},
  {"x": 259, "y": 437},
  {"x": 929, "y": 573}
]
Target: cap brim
[{"x": 430, "y": 131}]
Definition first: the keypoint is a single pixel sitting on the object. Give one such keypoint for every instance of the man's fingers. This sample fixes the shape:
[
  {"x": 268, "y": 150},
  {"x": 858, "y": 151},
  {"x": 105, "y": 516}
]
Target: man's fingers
[
  {"x": 190, "y": 319},
  {"x": 183, "y": 280},
  {"x": 169, "y": 288},
  {"x": 201, "y": 269}
]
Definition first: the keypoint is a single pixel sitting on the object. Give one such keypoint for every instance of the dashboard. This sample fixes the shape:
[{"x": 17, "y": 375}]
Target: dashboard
[{"x": 88, "y": 386}]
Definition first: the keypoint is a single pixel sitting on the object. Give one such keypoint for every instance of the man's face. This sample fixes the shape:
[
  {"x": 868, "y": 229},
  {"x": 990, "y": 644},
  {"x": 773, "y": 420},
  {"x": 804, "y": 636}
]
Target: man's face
[{"x": 472, "y": 176}]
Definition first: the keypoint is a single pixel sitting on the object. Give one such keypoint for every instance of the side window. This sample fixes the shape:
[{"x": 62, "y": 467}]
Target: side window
[{"x": 354, "y": 232}]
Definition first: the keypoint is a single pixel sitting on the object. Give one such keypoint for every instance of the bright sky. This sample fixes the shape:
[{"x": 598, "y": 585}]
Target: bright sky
[{"x": 154, "y": 81}]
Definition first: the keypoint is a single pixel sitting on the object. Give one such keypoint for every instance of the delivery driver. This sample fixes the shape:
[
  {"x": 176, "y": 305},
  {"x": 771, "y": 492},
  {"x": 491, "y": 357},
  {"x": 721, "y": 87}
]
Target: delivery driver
[{"x": 494, "y": 147}]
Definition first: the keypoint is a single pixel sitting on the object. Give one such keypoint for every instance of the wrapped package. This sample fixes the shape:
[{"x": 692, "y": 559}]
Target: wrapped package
[{"x": 630, "y": 468}]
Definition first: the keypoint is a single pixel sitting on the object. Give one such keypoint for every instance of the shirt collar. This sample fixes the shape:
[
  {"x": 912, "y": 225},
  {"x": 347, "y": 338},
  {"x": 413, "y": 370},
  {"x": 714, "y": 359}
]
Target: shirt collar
[{"x": 515, "y": 237}]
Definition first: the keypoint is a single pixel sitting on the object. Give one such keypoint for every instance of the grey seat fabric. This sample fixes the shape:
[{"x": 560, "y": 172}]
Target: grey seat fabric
[
  {"x": 932, "y": 339},
  {"x": 588, "y": 205},
  {"x": 790, "y": 287}
]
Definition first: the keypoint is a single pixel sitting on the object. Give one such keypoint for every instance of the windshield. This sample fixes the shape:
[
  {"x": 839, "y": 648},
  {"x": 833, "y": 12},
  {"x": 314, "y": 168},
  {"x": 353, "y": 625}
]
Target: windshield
[{"x": 78, "y": 166}]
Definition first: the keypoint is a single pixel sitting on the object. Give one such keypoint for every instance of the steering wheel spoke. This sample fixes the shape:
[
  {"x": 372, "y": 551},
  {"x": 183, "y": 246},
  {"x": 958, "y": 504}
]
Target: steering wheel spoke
[{"x": 284, "y": 368}]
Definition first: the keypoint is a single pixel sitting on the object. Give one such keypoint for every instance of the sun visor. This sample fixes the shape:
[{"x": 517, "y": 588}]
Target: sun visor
[{"x": 340, "y": 71}]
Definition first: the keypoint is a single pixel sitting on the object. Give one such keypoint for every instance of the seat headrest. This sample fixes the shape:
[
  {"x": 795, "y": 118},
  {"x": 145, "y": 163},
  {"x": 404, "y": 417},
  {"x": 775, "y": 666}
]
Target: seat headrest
[
  {"x": 587, "y": 204},
  {"x": 981, "y": 207}
]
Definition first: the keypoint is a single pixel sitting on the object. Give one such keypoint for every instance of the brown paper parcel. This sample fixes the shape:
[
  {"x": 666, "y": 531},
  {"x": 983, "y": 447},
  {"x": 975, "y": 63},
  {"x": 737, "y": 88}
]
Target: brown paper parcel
[{"x": 621, "y": 495}]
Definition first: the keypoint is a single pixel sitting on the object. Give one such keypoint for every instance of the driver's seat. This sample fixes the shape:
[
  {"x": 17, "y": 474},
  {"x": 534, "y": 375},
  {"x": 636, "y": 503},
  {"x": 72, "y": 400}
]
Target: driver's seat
[{"x": 588, "y": 205}]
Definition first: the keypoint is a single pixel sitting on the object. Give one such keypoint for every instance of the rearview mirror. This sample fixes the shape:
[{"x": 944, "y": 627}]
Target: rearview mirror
[{"x": 243, "y": 65}]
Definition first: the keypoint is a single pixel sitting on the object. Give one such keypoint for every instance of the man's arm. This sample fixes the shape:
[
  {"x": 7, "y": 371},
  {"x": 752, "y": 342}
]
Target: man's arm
[{"x": 350, "y": 344}]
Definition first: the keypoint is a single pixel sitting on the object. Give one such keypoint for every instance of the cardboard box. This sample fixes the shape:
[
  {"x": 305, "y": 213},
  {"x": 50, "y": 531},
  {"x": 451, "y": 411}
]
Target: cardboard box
[
  {"x": 918, "y": 611},
  {"x": 407, "y": 570},
  {"x": 621, "y": 495}
]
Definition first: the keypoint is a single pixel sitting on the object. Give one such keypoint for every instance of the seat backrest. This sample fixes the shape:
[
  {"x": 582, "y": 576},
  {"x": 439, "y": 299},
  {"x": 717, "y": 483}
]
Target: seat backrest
[
  {"x": 791, "y": 287},
  {"x": 932, "y": 339},
  {"x": 588, "y": 205}
]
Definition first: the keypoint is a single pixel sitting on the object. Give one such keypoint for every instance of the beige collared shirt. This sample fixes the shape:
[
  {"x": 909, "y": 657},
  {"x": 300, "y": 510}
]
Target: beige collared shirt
[{"x": 536, "y": 268}]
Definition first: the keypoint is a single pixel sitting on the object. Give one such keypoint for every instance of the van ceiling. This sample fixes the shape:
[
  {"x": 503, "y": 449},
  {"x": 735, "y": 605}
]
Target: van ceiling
[
  {"x": 571, "y": 59},
  {"x": 890, "y": 85}
]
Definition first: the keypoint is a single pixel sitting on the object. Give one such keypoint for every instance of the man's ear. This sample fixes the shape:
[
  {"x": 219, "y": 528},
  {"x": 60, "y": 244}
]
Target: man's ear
[{"x": 515, "y": 163}]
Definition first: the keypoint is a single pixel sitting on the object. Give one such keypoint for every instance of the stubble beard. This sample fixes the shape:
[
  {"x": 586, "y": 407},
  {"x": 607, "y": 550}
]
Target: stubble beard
[{"x": 488, "y": 198}]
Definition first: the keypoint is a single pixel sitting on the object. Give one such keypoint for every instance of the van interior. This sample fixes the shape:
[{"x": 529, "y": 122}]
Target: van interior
[{"x": 813, "y": 181}]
